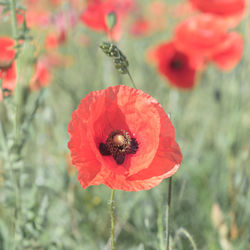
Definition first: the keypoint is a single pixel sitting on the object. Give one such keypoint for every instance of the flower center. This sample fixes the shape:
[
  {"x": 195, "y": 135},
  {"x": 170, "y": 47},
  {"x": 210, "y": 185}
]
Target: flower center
[
  {"x": 119, "y": 140},
  {"x": 176, "y": 64},
  {"x": 118, "y": 144}
]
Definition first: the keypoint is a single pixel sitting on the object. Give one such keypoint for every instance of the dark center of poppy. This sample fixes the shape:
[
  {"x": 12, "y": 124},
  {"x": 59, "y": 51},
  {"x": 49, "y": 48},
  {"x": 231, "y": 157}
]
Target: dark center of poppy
[
  {"x": 176, "y": 64},
  {"x": 118, "y": 144}
]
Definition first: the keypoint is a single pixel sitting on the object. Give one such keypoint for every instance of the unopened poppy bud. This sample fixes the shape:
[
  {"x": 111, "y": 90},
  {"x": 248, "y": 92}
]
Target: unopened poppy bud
[{"x": 111, "y": 20}]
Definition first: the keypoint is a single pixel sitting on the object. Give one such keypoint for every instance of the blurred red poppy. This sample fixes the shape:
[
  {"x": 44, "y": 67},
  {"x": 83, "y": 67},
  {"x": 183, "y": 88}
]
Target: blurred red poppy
[
  {"x": 7, "y": 64},
  {"x": 233, "y": 9},
  {"x": 53, "y": 40},
  {"x": 121, "y": 137},
  {"x": 152, "y": 19},
  {"x": 95, "y": 15},
  {"x": 229, "y": 57},
  {"x": 35, "y": 18},
  {"x": 140, "y": 27},
  {"x": 204, "y": 37},
  {"x": 173, "y": 65},
  {"x": 42, "y": 76}
]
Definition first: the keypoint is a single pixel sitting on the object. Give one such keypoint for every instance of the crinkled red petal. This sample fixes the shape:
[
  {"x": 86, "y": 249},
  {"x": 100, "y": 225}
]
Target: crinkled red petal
[
  {"x": 124, "y": 108},
  {"x": 7, "y": 53},
  {"x": 9, "y": 77},
  {"x": 201, "y": 35},
  {"x": 231, "y": 54}
]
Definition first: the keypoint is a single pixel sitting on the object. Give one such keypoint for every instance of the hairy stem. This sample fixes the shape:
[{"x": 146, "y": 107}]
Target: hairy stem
[
  {"x": 167, "y": 212},
  {"x": 112, "y": 219},
  {"x": 130, "y": 77},
  {"x": 13, "y": 19}
]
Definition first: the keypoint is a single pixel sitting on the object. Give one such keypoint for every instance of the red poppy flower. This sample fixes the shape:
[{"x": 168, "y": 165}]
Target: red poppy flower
[
  {"x": 121, "y": 137},
  {"x": 229, "y": 57},
  {"x": 35, "y": 18},
  {"x": 42, "y": 75},
  {"x": 152, "y": 20},
  {"x": 203, "y": 37},
  {"x": 94, "y": 16},
  {"x": 140, "y": 27},
  {"x": 53, "y": 40},
  {"x": 174, "y": 65},
  {"x": 7, "y": 64},
  {"x": 232, "y": 9}
]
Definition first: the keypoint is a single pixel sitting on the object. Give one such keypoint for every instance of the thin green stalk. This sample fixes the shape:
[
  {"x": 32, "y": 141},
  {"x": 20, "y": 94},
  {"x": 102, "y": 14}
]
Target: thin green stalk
[
  {"x": 182, "y": 231},
  {"x": 28, "y": 121},
  {"x": 17, "y": 126},
  {"x": 18, "y": 88},
  {"x": 167, "y": 212},
  {"x": 160, "y": 227},
  {"x": 3, "y": 141},
  {"x": 112, "y": 219},
  {"x": 130, "y": 77},
  {"x": 13, "y": 19}
]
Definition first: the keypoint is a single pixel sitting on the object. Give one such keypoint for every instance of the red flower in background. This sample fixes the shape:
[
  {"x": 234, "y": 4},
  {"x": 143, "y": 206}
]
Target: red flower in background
[
  {"x": 94, "y": 16},
  {"x": 151, "y": 19},
  {"x": 121, "y": 137},
  {"x": 42, "y": 76},
  {"x": 233, "y": 9},
  {"x": 205, "y": 37},
  {"x": 229, "y": 57},
  {"x": 174, "y": 65},
  {"x": 35, "y": 18},
  {"x": 53, "y": 40},
  {"x": 140, "y": 27},
  {"x": 7, "y": 64}
]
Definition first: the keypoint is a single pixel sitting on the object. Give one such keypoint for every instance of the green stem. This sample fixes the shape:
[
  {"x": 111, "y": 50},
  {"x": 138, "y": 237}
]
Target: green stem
[
  {"x": 167, "y": 212},
  {"x": 160, "y": 227},
  {"x": 17, "y": 90},
  {"x": 112, "y": 219},
  {"x": 17, "y": 126},
  {"x": 130, "y": 77},
  {"x": 184, "y": 232},
  {"x": 13, "y": 19}
]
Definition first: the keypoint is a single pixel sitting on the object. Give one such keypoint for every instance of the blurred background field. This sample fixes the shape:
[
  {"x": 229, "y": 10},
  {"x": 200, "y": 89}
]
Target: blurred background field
[{"x": 211, "y": 193}]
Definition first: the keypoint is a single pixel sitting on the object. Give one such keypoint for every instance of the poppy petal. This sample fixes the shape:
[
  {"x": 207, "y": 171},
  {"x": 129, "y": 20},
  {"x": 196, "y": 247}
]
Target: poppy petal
[
  {"x": 153, "y": 140},
  {"x": 229, "y": 57}
]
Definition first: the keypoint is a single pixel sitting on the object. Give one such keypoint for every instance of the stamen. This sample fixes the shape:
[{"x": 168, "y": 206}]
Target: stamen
[
  {"x": 133, "y": 146},
  {"x": 103, "y": 149},
  {"x": 118, "y": 144}
]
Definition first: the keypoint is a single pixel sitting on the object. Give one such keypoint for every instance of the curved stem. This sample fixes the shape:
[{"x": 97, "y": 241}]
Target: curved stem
[
  {"x": 167, "y": 212},
  {"x": 112, "y": 219},
  {"x": 182, "y": 231}
]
